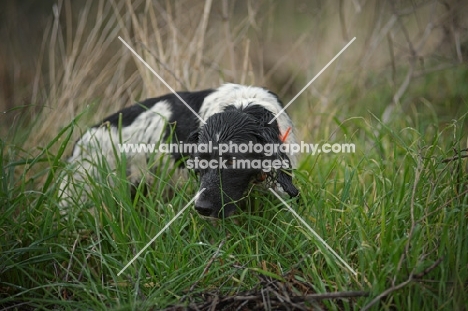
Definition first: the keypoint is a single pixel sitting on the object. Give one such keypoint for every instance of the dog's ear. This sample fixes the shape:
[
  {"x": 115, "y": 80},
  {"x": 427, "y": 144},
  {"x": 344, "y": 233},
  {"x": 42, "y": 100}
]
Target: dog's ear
[
  {"x": 268, "y": 133},
  {"x": 193, "y": 137},
  {"x": 271, "y": 134},
  {"x": 260, "y": 113}
]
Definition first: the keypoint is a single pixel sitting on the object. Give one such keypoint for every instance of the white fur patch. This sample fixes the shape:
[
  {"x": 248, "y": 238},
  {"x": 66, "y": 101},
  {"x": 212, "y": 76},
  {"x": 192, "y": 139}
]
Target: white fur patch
[
  {"x": 101, "y": 143},
  {"x": 240, "y": 96}
]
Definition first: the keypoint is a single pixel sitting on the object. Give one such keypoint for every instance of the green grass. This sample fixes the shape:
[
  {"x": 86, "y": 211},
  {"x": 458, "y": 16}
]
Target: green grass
[
  {"x": 391, "y": 210},
  {"x": 394, "y": 210}
]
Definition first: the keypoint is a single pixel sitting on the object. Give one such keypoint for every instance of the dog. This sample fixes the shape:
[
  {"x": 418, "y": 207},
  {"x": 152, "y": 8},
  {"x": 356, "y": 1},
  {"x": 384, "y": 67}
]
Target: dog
[{"x": 234, "y": 116}]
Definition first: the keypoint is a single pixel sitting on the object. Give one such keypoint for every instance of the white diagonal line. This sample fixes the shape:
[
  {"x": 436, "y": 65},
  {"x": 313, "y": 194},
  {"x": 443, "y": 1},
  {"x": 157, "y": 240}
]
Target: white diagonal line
[
  {"x": 314, "y": 233},
  {"x": 160, "y": 232},
  {"x": 313, "y": 79},
  {"x": 162, "y": 80}
]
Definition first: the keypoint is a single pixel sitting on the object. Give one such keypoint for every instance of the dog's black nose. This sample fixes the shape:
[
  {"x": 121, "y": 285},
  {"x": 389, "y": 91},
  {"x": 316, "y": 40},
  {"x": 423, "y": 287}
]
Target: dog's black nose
[{"x": 203, "y": 208}]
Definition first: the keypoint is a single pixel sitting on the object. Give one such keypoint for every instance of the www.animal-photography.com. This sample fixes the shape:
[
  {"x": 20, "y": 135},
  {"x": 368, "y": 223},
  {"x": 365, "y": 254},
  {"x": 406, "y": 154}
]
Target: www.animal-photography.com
[{"x": 233, "y": 155}]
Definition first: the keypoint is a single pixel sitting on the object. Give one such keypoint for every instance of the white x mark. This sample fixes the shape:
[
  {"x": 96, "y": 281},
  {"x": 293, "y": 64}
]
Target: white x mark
[
  {"x": 162, "y": 80},
  {"x": 314, "y": 233},
  {"x": 313, "y": 79},
  {"x": 160, "y": 232}
]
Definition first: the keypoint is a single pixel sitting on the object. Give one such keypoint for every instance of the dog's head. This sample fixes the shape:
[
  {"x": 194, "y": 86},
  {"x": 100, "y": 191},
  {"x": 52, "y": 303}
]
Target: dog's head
[{"x": 226, "y": 171}]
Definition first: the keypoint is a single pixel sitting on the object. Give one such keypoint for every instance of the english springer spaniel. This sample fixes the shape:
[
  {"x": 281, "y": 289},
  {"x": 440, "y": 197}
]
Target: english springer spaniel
[{"x": 235, "y": 116}]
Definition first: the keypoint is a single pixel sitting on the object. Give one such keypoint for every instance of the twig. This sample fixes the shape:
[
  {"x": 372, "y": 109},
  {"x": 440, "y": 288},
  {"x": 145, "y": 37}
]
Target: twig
[
  {"x": 213, "y": 257},
  {"x": 334, "y": 295},
  {"x": 344, "y": 30},
  {"x": 429, "y": 269},
  {"x": 428, "y": 29},
  {"x": 387, "y": 292},
  {"x": 208, "y": 265},
  {"x": 236, "y": 267},
  {"x": 311, "y": 297},
  {"x": 199, "y": 40},
  {"x": 16, "y": 305},
  {"x": 245, "y": 66},
  {"x": 377, "y": 38},
  {"x": 414, "y": 52},
  {"x": 457, "y": 157},
  {"x": 297, "y": 264},
  {"x": 392, "y": 58},
  {"x": 413, "y": 221},
  {"x": 357, "y": 6},
  {"x": 71, "y": 258},
  {"x": 214, "y": 303},
  {"x": 447, "y": 203},
  {"x": 456, "y": 35},
  {"x": 424, "y": 72},
  {"x": 228, "y": 37},
  {"x": 411, "y": 277},
  {"x": 462, "y": 156},
  {"x": 406, "y": 82},
  {"x": 279, "y": 62},
  {"x": 165, "y": 66}
]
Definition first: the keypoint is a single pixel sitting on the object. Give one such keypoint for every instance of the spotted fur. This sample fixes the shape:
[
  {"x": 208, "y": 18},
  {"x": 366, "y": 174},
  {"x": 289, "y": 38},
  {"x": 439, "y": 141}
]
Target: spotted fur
[{"x": 232, "y": 113}]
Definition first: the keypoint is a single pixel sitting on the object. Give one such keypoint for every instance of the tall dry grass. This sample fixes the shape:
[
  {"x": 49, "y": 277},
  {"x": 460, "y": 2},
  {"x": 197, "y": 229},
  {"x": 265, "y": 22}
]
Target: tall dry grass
[
  {"x": 82, "y": 67},
  {"x": 89, "y": 68}
]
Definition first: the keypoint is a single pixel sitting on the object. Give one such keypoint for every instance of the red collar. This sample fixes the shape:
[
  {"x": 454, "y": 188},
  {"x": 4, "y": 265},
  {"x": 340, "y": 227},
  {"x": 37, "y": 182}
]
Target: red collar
[{"x": 285, "y": 136}]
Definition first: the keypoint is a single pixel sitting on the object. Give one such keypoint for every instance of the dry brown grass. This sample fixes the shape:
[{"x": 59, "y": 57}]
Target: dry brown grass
[{"x": 83, "y": 67}]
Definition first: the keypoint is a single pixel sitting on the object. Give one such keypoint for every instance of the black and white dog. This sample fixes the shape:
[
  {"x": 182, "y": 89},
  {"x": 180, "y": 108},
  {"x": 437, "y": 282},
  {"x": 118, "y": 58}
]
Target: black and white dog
[{"x": 236, "y": 116}]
